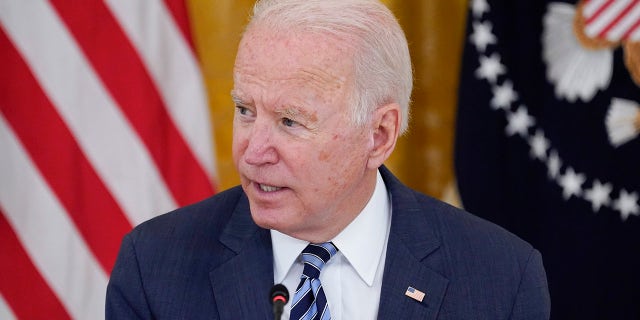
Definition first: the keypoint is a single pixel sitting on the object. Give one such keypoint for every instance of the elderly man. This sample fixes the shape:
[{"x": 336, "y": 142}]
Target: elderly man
[{"x": 321, "y": 91}]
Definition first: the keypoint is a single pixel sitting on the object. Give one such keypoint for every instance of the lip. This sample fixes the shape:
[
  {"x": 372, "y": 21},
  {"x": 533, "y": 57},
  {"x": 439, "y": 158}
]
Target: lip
[{"x": 267, "y": 189}]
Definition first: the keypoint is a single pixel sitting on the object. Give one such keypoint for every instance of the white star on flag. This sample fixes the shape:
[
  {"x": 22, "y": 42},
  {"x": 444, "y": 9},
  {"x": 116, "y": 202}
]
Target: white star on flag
[
  {"x": 490, "y": 68},
  {"x": 519, "y": 122},
  {"x": 479, "y": 7},
  {"x": 599, "y": 195},
  {"x": 539, "y": 145},
  {"x": 482, "y": 36},
  {"x": 571, "y": 183},
  {"x": 553, "y": 164},
  {"x": 627, "y": 204},
  {"x": 503, "y": 96}
]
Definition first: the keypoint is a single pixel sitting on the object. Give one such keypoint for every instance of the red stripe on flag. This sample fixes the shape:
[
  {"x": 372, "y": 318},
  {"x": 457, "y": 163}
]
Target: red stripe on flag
[
  {"x": 22, "y": 286},
  {"x": 58, "y": 157},
  {"x": 180, "y": 14},
  {"x": 599, "y": 11},
  {"x": 619, "y": 17},
  {"x": 120, "y": 68}
]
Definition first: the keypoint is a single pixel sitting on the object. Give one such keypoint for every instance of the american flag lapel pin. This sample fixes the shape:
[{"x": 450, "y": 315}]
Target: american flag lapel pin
[{"x": 414, "y": 294}]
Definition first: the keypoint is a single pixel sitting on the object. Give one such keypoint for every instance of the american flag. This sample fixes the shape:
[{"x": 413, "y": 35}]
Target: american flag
[
  {"x": 103, "y": 124},
  {"x": 414, "y": 293}
]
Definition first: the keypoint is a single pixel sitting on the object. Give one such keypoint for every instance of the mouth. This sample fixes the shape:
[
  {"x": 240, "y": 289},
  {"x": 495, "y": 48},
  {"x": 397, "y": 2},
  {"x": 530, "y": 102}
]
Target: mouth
[{"x": 268, "y": 188}]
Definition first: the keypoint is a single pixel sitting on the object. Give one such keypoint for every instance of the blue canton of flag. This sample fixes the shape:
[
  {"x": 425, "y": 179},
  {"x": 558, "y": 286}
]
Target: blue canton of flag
[{"x": 414, "y": 294}]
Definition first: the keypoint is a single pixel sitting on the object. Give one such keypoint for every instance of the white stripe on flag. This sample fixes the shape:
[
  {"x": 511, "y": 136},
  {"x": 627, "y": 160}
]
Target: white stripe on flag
[
  {"x": 173, "y": 68},
  {"x": 5, "y": 311},
  {"x": 635, "y": 35},
  {"x": 116, "y": 152},
  {"x": 48, "y": 235},
  {"x": 592, "y": 6}
]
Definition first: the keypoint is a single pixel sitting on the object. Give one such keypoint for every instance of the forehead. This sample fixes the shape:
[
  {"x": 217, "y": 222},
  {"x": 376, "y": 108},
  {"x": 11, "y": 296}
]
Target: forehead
[{"x": 298, "y": 59}]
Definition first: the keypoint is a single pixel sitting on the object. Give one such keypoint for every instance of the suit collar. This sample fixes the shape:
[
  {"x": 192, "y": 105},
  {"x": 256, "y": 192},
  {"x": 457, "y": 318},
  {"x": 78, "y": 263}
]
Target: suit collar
[
  {"x": 410, "y": 220},
  {"x": 240, "y": 226},
  {"x": 242, "y": 282},
  {"x": 411, "y": 250}
]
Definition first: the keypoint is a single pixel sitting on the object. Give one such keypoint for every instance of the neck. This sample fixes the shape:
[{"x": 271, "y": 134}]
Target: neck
[{"x": 336, "y": 224}]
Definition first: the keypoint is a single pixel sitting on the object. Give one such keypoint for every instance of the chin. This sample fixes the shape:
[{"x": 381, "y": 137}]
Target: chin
[{"x": 265, "y": 219}]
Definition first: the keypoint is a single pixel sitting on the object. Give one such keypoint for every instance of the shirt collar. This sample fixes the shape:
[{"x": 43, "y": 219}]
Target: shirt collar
[{"x": 363, "y": 232}]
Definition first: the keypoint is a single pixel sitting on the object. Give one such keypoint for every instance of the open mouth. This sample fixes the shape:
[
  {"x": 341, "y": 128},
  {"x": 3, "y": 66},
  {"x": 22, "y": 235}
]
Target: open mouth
[{"x": 268, "y": 188}]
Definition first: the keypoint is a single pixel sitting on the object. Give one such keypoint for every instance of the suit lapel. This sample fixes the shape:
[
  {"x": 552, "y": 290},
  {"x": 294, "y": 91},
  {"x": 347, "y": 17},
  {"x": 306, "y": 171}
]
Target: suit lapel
[
  {"x": 403, "y": 270},
  {"x": 241, "y": 284},
  {"x": 412, "y": 243}
]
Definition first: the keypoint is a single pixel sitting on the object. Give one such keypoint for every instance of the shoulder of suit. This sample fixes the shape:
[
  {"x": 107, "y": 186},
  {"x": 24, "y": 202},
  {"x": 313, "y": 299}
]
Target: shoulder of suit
[{"x": 454, "y": 222}]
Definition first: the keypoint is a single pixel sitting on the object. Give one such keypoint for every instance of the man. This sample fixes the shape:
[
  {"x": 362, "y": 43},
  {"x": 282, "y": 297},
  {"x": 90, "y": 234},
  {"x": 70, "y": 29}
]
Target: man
[{"x": 322, "y": 90}]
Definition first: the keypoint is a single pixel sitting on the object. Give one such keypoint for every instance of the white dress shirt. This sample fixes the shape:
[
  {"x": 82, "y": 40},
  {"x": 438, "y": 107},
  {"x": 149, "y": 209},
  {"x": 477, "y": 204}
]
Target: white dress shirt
[{"x": 352, "y": 279}]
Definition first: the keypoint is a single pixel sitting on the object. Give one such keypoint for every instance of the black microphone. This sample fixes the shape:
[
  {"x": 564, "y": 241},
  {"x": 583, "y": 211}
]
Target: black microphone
[{"x": 279, "y": 296}]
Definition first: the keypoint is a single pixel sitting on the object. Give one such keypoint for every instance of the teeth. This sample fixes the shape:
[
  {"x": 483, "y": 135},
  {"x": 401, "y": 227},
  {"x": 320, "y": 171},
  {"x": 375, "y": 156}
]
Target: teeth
[{"x": 267, "y": 188}]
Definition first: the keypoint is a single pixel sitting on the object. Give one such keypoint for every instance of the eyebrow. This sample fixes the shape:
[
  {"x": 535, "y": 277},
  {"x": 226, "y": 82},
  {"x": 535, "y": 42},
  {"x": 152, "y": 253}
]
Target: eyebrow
[
  {"x": 294, "y": 111},
  {"x": 290, "y": 111},
  {"x": 236, "y": 98}
]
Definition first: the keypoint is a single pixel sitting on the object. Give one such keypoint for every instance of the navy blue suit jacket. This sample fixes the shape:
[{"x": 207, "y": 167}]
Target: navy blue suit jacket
[{"x": 211, "y": 261}]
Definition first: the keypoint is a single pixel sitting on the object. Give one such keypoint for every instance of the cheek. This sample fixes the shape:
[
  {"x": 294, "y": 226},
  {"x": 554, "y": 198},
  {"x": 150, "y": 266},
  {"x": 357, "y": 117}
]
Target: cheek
[
  {"x": 238, "y": 145},
  {"x": 341, "y": 159},
  {"x": 326, "y": 153},
  {"x": 347, "y": 148}
]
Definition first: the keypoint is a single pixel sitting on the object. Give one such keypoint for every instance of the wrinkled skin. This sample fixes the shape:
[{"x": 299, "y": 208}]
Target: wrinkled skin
[{"x": 305, "y": 167}]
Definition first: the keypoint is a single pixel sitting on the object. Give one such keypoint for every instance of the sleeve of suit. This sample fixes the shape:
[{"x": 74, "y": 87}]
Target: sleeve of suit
[
  {"x": 532, "y": 300},
  {"x": 125, "y": 295}
]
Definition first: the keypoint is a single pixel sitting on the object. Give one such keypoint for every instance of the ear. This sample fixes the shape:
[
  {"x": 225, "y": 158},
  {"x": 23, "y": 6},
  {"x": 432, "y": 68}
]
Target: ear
[{"x": 386, "y": 128}]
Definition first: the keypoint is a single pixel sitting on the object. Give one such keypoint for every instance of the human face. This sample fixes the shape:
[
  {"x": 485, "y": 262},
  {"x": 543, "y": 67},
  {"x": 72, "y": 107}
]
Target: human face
[{"x": 302, "y": 162}]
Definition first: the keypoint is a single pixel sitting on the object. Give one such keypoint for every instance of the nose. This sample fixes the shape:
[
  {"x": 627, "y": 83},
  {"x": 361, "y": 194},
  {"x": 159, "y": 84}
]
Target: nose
[{"x": 261, "y": 149}]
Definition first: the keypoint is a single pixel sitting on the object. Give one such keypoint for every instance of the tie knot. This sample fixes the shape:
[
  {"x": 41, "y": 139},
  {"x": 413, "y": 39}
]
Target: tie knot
[{"x": 314, "y": 256}]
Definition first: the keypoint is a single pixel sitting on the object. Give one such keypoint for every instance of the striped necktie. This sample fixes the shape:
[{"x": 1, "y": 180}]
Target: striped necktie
[{"x": 309, "y": 302}]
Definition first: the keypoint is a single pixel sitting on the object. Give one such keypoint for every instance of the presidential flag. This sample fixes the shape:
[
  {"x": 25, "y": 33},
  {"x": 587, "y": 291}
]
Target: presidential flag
[
  {"x": 103, "y": 124},
  {"x": 547, "y": 142}
]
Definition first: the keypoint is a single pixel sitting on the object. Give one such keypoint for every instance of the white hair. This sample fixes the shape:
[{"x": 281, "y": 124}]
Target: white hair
[{"x": 383, "y": 72}]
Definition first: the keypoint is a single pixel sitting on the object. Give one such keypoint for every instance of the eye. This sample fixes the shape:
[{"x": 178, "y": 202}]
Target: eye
[
  {"x": 243, "y": 110},
  {"x": 288, "y": 122}
]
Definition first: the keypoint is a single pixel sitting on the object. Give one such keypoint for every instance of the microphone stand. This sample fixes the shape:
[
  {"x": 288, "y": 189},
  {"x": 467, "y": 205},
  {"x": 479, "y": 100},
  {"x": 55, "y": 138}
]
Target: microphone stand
[{"x": 279, "y": 296}]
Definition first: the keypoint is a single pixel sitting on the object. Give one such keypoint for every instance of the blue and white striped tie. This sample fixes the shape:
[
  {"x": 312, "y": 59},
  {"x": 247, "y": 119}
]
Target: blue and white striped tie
[{"x": 309, "y": 302}]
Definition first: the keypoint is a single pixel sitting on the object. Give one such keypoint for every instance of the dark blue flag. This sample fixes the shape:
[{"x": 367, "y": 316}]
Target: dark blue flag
[{"x": 547, "y": 142}]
